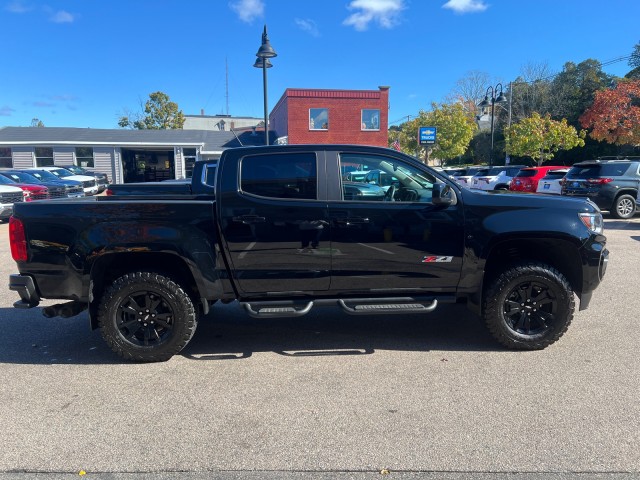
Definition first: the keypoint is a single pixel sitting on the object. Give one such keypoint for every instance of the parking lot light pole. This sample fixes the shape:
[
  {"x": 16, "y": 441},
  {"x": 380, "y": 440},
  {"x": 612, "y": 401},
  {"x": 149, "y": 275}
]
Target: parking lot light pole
[
  {"x": 265, "y": 52},
  {"x": 492, "y": 100}
]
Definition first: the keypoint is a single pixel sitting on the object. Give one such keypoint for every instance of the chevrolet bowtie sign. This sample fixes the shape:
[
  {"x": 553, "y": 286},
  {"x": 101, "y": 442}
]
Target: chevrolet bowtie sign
[{"x": 426, "y": 135}]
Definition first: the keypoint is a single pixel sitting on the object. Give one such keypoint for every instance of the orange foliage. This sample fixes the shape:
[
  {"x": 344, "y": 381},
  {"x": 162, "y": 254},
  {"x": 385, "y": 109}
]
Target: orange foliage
[{"x": 615, "y": 114}]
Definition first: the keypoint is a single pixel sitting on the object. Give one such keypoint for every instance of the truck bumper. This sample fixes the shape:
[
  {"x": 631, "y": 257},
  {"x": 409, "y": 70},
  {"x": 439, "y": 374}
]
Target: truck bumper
[
  {"x": 24, "y": 285},
  {"x": 596, "y": 261}
]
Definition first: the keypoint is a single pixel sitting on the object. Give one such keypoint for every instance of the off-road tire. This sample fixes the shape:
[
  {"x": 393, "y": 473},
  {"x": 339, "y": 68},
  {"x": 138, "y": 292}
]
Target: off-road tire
[
  {"x": 528, "y": 306},
  {"x": 146, "y": 317},
  {"x": 624, "y": 206}
]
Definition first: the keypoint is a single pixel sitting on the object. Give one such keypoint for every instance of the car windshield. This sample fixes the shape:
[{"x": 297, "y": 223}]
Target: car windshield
[
  {"x": 5, "y": 181},
  {"x": 76, "y": 170},
  {"x": 61, "y": 172},
  {"x": 21, "y": 177},
  {"x": 43, "y": 175},
  {"x": 603, "y": 170}
]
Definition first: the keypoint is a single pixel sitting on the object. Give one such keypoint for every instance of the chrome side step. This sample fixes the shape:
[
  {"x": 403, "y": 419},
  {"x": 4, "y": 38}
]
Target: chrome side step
[{"x": 353, "y": 306}]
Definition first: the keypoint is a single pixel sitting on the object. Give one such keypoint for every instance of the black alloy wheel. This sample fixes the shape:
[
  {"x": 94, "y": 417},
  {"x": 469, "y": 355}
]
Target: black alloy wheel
[
  {"x": 146, "y": 317},
  {"x": 529, "y": 306}
]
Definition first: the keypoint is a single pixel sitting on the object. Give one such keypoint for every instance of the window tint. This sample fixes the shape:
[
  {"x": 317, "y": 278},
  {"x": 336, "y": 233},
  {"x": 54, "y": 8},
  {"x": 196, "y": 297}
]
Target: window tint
[
  {"x": 280, "y": 175},
  {"x": 555, "y": 174},
  {"x": 526, "y": 173},
  {"x": 604, "y": 170},
  {"x": 393, "y": 178}
]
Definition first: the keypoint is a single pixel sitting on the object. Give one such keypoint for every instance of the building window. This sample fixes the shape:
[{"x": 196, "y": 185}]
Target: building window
[
  {"x": 44, "y": 156},
  {"x": 280, "y": 176},
  {"x": 189, "y": 155},
  {"x": 84, "y": 157},
  {"x": 318, "y": 119},
  {"x": 5, "y": 157},
  {"x": 370, "y": 119}
]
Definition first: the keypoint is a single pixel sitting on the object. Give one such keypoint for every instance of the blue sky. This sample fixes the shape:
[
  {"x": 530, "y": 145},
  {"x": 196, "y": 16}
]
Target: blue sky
[{"x": 82, "y": 63}]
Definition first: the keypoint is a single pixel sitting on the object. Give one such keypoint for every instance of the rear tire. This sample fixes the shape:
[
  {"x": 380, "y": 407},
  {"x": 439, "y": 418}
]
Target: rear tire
[
  {"x": 624, "y": 207},
  {"x": 529, "y": 306},
  {"x": 146, "y": 317}
]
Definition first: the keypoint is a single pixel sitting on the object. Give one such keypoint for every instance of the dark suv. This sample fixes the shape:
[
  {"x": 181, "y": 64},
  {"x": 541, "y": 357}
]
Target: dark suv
[{"x": 610, "y": 184}]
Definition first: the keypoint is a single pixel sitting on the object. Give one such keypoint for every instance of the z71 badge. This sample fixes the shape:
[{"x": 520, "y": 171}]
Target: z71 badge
[{"x": 435, "y": 259}]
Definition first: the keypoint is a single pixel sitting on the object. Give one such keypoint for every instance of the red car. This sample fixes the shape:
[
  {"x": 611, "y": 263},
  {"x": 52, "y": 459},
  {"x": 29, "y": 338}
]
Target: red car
[
  {"x": 29, "y": 190},
  {"x": 527, "y": 178}
]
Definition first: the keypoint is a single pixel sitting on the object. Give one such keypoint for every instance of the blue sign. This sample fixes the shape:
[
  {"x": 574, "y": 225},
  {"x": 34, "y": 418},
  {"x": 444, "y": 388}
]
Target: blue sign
[{"x": 426, "y": 135}]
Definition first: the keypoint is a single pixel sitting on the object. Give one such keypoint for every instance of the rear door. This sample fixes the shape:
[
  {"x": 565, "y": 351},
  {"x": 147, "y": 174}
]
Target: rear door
[
  {"x": 274, "y": 222},
  {"x": 399, "y": 243}
]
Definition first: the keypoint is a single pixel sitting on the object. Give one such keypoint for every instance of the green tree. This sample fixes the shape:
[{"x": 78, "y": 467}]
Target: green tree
[
  {"x": 36, "y": 122},
  {"x": 541, "y": 137},
  {"x": 575, "y": 87},
  {"x": 160, "y": 113},
  {"x": 634, "y": 60},
  {"x": 455, "y": 128}
]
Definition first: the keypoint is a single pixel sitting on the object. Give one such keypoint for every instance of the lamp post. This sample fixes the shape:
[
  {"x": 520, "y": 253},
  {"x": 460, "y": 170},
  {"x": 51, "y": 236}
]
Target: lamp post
[
  {"x": 265, "y": 52},
  {"x": 492, "y": 100}
]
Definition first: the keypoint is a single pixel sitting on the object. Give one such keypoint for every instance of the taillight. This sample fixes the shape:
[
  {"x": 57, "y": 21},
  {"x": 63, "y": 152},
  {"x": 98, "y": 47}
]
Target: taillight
[
  {"x": 17, "y": 240},
  {"x": 108, "y": 191},
  {"x": 599, "y": 181}
]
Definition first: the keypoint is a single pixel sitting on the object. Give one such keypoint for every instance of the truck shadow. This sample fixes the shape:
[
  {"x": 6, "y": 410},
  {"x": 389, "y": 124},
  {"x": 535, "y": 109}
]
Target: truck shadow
[{"x": 227, "y": 333}]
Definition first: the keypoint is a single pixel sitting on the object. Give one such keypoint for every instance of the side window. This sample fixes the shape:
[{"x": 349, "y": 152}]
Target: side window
[
  {"x": 395, "y": 180},
  {"x": 84, "y": 157},
  {"x": 280, "y": 175},
  {"x": 44, "y": 156}
]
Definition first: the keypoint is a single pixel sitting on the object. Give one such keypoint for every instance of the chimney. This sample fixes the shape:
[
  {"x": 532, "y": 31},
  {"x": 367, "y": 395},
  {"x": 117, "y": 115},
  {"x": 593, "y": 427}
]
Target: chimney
[{"x": 202, "y": 112}]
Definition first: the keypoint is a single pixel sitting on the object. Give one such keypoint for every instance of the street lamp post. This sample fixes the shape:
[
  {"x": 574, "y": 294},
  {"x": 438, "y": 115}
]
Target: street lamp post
[
  {"x": 492, "y": 100},
  {"x": 265, "y": 52}
]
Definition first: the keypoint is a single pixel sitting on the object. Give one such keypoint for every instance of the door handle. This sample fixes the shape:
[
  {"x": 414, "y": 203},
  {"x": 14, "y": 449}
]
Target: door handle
[{"x": 248, "y": 219}]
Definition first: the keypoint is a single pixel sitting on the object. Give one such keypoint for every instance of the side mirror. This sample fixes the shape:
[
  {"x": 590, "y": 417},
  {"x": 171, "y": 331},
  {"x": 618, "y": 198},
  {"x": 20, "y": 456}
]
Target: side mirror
[{"x": 442, "y": 194}]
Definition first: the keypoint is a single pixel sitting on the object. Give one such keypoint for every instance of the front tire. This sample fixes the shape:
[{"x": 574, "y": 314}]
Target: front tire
[
  {"x": 529, "y": 306},
  {"x": 624, "y": 207},
  {"x": 146, "y": 317}
]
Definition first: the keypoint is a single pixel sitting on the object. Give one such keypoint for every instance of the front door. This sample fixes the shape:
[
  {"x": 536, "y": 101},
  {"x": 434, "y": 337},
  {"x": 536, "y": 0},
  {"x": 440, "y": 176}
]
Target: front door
[
  {"x": 390, "y": 238},
  {"x": 276, "y": 226}
]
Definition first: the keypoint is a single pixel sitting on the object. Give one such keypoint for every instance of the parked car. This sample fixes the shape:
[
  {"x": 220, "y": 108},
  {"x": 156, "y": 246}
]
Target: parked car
[
  {"x": 55, "y": 189},
  {"x": 89, "y": 183},
  {"x": 8, "y": 196},
  {"x": 101, "y": 178},
  {"x": 610, "y": 184},
  {"x": 73, "y": 188},
  {"x": 551, "y": 182},
  {"x": 527, "y": 179},
  {"x": 30, "y": 191},
  {"x": 495, "y": 178},
  {"x": 464, "y": 178}
]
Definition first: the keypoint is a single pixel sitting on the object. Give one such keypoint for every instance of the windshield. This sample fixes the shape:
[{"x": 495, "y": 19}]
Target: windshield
[
  {"x": 61, "y": 172},
  {"x": 21, "y": 177},
  {"x": 43, "y": 175}
]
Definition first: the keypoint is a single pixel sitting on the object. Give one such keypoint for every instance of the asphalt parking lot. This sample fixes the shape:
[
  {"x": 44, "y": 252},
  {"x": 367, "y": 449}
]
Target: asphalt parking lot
[{"x": 329, "y": 395}]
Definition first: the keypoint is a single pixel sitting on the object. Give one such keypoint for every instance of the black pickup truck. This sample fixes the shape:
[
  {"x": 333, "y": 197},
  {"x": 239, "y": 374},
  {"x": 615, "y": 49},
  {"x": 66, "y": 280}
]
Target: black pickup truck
[{"x": 281, "y": 231}]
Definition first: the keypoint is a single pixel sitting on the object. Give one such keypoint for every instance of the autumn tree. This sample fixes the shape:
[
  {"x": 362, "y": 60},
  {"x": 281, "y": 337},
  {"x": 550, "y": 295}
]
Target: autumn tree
[
  {"x": 614, "y": 116},
  {"x": 455, "y": 128},
  {"x": 540, "y": 137},
  {"x": 160, "y": 113}
]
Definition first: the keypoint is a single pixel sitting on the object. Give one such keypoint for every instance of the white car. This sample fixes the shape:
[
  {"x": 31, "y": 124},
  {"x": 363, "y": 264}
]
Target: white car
[
  {"x": 8, "y": 196},
  {"x": 495, "y": 178},
  {"x": 89, "y": 184},
  {"x": 464, "y": 176},
  {"x": 550, "y": 183}
]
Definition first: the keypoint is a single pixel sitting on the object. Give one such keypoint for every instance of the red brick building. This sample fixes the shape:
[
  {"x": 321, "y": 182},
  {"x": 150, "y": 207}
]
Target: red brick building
[{"x": 332, "y": 116}]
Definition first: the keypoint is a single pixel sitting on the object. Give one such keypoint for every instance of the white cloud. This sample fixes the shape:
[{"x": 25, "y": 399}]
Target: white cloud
[
  {"x": 62, "y": 17},
  {"x": 385, "y": 12},
  {"x": 466, "y": 6},
  {"x": 18, "y": 6},
  {"x": 6, "y": 111},
  {"x": 308, "y": 26},
  {"x": 248, "y": 10}
]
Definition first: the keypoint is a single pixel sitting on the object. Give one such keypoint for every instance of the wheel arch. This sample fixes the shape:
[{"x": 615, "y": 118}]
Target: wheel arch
[
  {"x": 560, "y": 254},
  {"x": 109, "y": 267}
]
